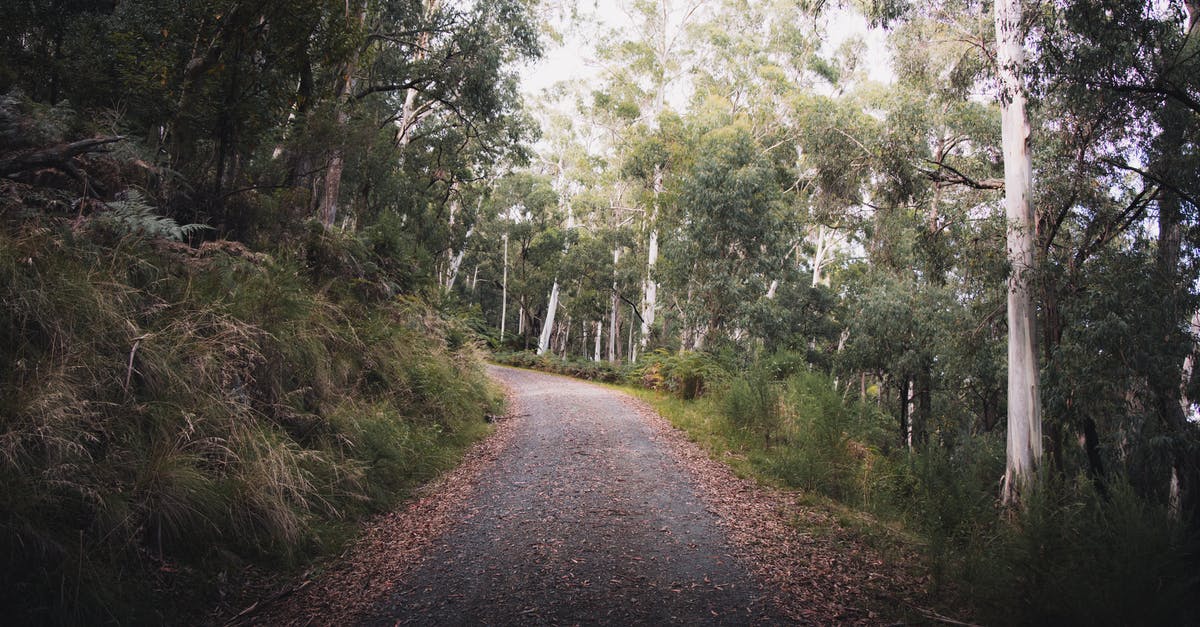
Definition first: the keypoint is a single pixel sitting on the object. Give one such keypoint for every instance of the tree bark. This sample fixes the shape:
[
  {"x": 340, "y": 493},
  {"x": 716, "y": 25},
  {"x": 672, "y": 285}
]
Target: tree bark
[
  {"x": 331, "y": 186},
  {"x": 504, "y": 291},
  {"x": 1024, "y": 450},
  {"x": 613, "y": 311},
  {"x": 548, "y": 325},
  {"x": 61, "y": 157},
  {"x": 651, "y": 293}
]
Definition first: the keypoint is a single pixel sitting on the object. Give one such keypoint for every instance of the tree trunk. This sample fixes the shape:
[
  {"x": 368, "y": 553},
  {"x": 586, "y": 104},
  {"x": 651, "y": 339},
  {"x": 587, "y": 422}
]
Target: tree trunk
[
  {"x": 548, "y": 326},
  {"x": 630, "y": 354},
  {"x": 504, "y": 291},
  {"x": 651, "y": 294},
  {"x": 1024, "y": 402},
  {"x": 613, "y": 311},
  {"x": 456, "y": 262},
  {"x": 331, "y": 186},
  {"x": 923, "y": 389},
  {"x": 410, "y": 113}
]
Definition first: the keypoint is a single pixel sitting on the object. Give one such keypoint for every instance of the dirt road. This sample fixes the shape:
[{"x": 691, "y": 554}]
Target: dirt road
[
  {"x": 585, "y": 517},
  {"x": 586, "y": 507}
]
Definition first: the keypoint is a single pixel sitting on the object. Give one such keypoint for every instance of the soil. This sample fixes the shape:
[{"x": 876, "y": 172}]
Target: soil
[{"x": 586, "y": 507}]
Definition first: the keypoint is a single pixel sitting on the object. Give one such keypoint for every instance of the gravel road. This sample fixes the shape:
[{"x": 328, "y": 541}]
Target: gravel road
[{"x": 585, "y": 517}]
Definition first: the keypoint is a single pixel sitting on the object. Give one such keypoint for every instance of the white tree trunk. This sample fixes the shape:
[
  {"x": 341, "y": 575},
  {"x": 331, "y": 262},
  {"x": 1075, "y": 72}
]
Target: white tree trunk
[
  {"x": 566, "y": 338},
  {"x": 613, "y": 311},
  {"x": 599, "y": 332},
  {"x": 908, "y": 426},
  {"x": 564, "y": 202},
  {"x": 456, "y": 262},
  {"x": 410, "y": 113},
  {"x": 504, "y": 290},
  {"x": 818, "y": 256},
  {"x": 1024, "y": 402},
  {"x": 544, "y": 340},
  {"x": 632, "y": 355},
  {"x": 650, "y": 298}
]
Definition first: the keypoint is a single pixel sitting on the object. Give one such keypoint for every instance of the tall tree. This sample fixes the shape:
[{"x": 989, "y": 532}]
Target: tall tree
[{"x": 1024, "y": 401}]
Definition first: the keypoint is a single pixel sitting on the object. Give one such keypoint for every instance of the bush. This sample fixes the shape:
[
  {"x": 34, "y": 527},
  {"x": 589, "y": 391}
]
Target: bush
[
  {"x": 688, "y": 375},
  {"x": 751, "y": 404},
  {"x": 603, "y": 371},
  {"x": 1074, "y": 558},
  {"x": 167, "y": 413}
]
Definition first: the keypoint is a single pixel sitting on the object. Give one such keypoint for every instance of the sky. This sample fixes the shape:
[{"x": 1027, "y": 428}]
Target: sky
[{"x": 574, "y": 58}]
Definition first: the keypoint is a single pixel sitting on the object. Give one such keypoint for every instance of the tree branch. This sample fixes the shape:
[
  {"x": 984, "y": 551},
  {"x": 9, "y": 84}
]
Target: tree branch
[
  {"x": 951, "y": 176},
  {"x": 1154, "y": 178},
  {"x": 57, "y": 157}
]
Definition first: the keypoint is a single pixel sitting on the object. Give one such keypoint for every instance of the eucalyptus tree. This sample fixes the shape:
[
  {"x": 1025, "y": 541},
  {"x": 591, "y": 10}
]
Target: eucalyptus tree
[
  {"x": 1133, "y": 128},
  {"x": 428, "y": 65},
  {"x": 730, "y": 235},
  {"x": 644, "y": 70}
]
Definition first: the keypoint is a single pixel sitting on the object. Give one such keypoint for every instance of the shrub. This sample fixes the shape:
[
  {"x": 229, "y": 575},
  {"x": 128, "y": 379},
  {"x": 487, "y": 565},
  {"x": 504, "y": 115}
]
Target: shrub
[
  {"x": 167, "y": 411},
  {"x": 687, "y": 375},
  {"x": 1074, "y": 558},
  {"x": 751, "y": 404}
]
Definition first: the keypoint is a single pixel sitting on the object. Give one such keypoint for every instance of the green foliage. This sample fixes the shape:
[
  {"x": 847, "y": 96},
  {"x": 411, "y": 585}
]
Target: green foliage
[
  {"x": 187, "y": 411},
  {"x": 131, "y": 215},
  {"x": 688, "y": 375},
  {"x": 751, "y": 404},
  {"x": 602, "y": 371},
  {"x": 1074, "y": 558}
]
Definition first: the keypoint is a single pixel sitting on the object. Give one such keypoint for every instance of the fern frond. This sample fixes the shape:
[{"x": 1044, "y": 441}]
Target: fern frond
[{"x": 132, "y": 215}]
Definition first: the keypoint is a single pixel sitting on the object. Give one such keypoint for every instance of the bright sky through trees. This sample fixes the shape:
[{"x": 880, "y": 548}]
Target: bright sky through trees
[{"x": 573, "y": 58}]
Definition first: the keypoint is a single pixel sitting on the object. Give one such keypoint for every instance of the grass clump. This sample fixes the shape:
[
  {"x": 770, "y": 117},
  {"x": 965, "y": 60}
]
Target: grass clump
[{"x": 170, "y": 413}]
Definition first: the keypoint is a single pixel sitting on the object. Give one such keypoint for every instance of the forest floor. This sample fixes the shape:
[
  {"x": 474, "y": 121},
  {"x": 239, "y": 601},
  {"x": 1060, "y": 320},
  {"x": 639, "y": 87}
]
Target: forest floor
[{"x": 586, "y": 506}]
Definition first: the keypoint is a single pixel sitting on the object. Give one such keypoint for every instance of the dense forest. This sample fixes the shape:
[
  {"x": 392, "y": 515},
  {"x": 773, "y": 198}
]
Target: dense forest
[{"x": 942, "y": 270}]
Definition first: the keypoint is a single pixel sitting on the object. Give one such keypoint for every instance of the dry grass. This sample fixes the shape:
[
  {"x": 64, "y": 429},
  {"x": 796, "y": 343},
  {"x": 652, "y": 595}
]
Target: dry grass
[{"x": 167, "y": 414}]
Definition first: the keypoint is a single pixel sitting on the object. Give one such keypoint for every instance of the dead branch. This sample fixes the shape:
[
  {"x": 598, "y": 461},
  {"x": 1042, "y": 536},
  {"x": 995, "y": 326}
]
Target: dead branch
[{"x": 59, "y": 157}]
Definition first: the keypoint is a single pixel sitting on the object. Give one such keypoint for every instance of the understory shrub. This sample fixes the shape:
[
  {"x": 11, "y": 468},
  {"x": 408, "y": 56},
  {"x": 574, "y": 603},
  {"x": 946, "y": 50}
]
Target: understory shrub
[
  {"x": 603, "y": 371},
  {"x": 169, "y": 413},
  {"x": 751, "y": 404},
  {"x": 687, "y": 375}
]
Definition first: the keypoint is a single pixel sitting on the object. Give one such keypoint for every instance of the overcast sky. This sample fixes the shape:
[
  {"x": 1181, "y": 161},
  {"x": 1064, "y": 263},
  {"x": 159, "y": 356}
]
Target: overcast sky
[{"x": 573, "y": 58}]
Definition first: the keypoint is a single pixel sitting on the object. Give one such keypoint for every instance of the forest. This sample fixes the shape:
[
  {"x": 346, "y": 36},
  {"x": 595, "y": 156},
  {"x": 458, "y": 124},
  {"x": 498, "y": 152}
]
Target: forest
[{"x": 940, "y": 270}]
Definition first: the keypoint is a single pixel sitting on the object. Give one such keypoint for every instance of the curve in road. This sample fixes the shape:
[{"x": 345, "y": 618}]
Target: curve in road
[{"x": 585, "y": 517}]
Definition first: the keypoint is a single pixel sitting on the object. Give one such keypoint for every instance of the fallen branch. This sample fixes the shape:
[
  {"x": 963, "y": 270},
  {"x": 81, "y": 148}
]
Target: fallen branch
[{"x": 59, "y": 157}]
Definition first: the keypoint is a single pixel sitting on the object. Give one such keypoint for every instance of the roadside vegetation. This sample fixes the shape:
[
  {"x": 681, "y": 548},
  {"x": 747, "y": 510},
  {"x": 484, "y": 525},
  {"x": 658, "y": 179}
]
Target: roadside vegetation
[
  {"x": 224, "y": 336},
  {"x": 174, "y": 415},
  {"x": 1073, "y": 556}
]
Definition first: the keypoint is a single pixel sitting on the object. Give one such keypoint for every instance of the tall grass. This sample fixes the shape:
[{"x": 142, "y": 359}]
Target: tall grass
[{"x": 167, "y": 413}]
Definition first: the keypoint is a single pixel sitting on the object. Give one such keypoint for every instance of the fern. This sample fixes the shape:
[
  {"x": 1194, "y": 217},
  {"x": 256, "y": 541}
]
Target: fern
[{"x": 132, "y": 215}]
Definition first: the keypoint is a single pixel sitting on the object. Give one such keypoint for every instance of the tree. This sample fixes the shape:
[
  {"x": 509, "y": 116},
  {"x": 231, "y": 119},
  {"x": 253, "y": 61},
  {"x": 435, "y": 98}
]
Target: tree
[{"x": 1024, "y": 400}]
